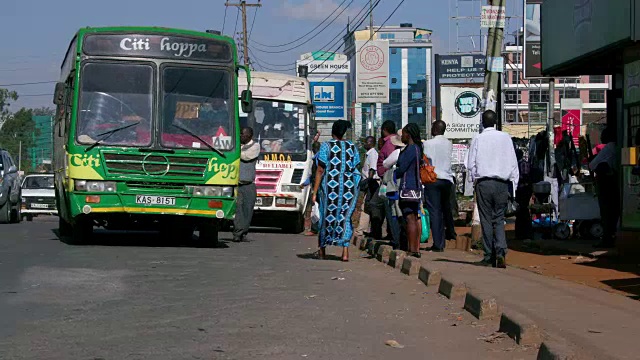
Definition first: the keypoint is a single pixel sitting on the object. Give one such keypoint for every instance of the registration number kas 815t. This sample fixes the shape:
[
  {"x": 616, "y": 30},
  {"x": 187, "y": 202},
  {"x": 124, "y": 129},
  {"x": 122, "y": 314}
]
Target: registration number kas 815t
[{"x": 155, "y": 200}]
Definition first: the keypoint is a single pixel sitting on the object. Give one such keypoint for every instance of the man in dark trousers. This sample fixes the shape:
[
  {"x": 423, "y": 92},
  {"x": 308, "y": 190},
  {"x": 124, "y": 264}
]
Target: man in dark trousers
[
  {"x": 493, "y": 166},
  {"x": 604, "y": 166},
  {"x": 249, "y": 153},
  {"x": 388, "y": 131}
]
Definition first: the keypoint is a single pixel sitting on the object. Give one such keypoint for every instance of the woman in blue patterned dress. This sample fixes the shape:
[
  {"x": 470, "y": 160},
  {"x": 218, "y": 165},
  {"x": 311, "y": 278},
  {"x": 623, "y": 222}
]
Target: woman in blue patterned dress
[{"x": 337, "y": 178}]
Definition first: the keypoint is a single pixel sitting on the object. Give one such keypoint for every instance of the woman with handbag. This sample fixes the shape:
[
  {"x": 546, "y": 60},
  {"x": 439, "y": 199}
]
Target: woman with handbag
[{"x": 408, "y": 170}]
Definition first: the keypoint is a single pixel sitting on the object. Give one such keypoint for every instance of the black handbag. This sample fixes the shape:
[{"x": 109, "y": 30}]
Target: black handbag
[{"x": 512, "y": 208}]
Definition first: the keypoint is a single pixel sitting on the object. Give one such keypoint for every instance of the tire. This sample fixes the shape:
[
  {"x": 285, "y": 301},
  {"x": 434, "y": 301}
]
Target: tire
[
  {"x": 81, "y": 232},
  {"x": 562, "y": 231},
  {"x": 209, "y": 233},
  {"x": 596, "y": 230},
  {"x": 64, "y": 228},
  {"x": 5, "y": 213},
  {"x": 583, "y": 229},
  {"x": 16, "y": 216},
  {"x": 29, "y": 217},
  {"x": 296, "y": 226}
]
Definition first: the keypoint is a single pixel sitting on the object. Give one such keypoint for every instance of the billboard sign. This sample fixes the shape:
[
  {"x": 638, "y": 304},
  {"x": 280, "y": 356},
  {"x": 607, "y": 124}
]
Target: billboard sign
[
  {"x": 492, "y": 16},
  {"x": 372, "y": 71},
  {"x": 461, "y": 109},
  {"x": 464, "y": 68},
  {"x": 324, "y": 62},
  {"x": 330, "y": 99},
  {"x": 571, "y": 118},
  {"x": 532, "y": 43}
]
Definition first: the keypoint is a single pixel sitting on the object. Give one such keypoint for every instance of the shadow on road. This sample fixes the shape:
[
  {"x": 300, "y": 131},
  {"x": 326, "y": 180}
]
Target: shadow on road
[
  {"x": 141, "y": 239},
  {"x": 314, "y": 256}
]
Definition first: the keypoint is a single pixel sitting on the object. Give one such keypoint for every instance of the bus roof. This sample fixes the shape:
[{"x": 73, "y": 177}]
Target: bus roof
[
  {"x": 267, "y": 85},
  {"x": 150, "y": 29}
]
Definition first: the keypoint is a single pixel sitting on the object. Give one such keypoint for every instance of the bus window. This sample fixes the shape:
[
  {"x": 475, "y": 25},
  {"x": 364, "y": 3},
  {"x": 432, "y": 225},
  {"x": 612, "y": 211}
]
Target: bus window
[
  {"x": 279, "y": 126},
  {"x": 197, "y": 108},
  {"x": 115, "y": 103}
]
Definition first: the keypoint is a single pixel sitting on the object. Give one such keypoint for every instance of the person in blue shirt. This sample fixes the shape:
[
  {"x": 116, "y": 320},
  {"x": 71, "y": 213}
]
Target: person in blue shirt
[{"x": 408, "y": 172}]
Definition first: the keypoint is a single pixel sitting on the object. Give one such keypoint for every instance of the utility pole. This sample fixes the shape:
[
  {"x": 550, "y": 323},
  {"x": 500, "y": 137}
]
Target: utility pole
[
  {"x": 372, "y": 106},
  {"x": 494, "y": 50},
  {"x": 245, "y": 37}
]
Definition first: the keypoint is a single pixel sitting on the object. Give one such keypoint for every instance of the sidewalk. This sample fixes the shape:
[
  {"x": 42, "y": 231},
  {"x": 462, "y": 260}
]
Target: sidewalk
[{"x": 600, "y": 324}]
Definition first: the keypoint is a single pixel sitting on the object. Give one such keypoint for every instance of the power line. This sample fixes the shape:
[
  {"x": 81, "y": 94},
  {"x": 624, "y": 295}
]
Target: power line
[
  {"x": 224, "y": 22},
  {"x": 255, "y": 14},
  {"x": 29, "y": 83},
  {"x": 311, "y": 38},
  {"x": 305, "y": 35},
  {"x": 27, "y": 95},
  {"x": 237, "y": 16}
]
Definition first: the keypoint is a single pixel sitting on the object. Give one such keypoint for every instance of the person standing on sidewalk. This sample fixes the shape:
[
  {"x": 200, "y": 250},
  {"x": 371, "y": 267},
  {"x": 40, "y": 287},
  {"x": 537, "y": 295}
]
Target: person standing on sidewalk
[
  {"x": 371, "y": 218},
  {"x": 246, "y": 200},
  {"x": 604, "y": 166},
  {"x": 393, "y": 227},
  {"x": 493, "y": 166},
  {"x": 438, "y": 195}
]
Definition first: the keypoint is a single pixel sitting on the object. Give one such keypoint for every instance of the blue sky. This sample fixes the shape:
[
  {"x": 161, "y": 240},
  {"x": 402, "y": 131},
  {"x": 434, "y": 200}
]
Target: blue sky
[{"x": 36, "y": 33}]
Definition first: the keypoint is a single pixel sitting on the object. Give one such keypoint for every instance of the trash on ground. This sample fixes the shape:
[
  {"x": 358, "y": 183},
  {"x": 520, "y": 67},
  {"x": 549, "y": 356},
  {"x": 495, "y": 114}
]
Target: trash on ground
[
  {"x": 493, "y": 338},
  {"x": 344, "y": 270},
  {"x": 595, "y": 331},
  {"x": 583, "y": 260},
  {"x": 565, "y": 257},
  {"x": 310, "y": 296},
  {"x": 394, "y": 344}
]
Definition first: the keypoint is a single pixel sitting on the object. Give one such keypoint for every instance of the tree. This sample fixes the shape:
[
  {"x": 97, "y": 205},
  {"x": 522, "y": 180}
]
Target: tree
[
  {"x": 19, "y": 128},
  {"x": 44, "y": 111},
  {"x": 5, "y": 97}
]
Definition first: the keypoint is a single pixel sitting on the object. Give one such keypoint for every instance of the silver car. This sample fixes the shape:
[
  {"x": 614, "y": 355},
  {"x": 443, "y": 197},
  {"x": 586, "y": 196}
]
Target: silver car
[
  {"x": 38, "y": 196},
  {"x": 9, "y": 190}
]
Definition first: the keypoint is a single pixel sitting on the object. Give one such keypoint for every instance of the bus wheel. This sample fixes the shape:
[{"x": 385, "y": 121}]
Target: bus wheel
[
  {"x": 5, "y": 213},
  {"x": 81, "y": 231},
  {"x": 209, "y": 234},
  {"x": 64, "y": 228},
  {"x": 297, "y": 224}
]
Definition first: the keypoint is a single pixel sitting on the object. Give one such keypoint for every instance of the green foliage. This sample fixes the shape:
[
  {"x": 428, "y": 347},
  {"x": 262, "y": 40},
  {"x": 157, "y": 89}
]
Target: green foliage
[
  {"x": 44, "y": 111},
  {"x": 17, "y": 128},
  {"x": 6, "y": 97}
]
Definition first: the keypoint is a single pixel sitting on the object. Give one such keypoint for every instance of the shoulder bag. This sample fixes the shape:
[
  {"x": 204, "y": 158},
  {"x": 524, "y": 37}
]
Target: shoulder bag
[
  {"x": 410, "y": 195},
  {"x": 427, "y": 171}
]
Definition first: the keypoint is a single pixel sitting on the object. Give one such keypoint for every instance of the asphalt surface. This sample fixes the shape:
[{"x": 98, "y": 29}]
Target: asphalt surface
[{"x": 125, "y": 297}]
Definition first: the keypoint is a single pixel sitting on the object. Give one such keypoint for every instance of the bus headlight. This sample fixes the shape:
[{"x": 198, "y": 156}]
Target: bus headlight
[
  {"x": 95, "y": 186},
  {"x": 212, "y": 191},
  {"x": 291, "y": 188}
]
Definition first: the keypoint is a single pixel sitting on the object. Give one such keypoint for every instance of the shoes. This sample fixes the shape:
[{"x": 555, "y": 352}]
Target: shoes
[
  {"x": 501, "y": 262},
  {"x": 484, "y": 263},
  {"x": 435, "y": 249},
  {"x": 451, "y": 236},
  {"x": 417, "y": 255}
]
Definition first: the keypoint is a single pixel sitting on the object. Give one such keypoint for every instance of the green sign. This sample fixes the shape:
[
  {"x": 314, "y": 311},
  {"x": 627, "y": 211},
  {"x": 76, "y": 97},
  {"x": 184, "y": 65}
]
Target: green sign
[
  {"x": 574, "y": 28},
  {"x": 323, "y": 55},
  {"x": 538, "y": 107}
]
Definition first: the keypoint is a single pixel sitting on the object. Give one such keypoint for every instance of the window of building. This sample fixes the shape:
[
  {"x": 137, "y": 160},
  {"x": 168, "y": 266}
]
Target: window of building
[
  {"x": 512, "y": 97},
  {"x": 510, "y": 115},
  {"x": 597, "y": 79},
  {"x": 387, "y": 36},
  {"x": 596, "y": 96},
  {"x": 515, "y": 76},
  {"x": 537, "y": 95},
  {"x": 569, "y": 93},
  {"x": 516, "y": 58}
]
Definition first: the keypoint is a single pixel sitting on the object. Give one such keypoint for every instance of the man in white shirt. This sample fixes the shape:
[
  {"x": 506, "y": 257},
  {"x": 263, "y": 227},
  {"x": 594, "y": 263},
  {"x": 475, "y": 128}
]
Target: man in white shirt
[
  {"x": 604, "y": 166},
  {"x": 493, "y": 166},
  {"x": 438, "y": 195},
  {"x": 372, "y": 214}
]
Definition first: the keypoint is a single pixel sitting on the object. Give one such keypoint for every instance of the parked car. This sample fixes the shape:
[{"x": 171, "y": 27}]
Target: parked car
[
  {"x": 10, "y": 201},
  {"x": 38, "y": 196}
]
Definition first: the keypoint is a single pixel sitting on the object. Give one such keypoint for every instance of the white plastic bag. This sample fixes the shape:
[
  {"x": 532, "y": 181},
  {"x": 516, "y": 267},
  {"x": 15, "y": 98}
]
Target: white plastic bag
[{"x": 315, "y": 213}]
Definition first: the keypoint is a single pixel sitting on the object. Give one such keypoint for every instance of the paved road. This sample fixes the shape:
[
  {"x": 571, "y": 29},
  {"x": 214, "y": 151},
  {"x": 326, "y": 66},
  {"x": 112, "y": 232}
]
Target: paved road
[{"x": 124, "y": 298}]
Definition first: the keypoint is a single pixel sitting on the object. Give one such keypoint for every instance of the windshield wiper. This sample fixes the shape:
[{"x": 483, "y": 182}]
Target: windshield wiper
[
  {"x": 107, "y": 134},
  {"x": 201, "y": 139}
]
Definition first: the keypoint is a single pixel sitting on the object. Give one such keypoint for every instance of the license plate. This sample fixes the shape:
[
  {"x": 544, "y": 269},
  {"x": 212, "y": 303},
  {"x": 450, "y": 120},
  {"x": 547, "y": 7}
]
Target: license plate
[
  {"x": 39, "y": 206},
  {"x": 155, "y": 200},
  {"x": 259, "y": 201}
]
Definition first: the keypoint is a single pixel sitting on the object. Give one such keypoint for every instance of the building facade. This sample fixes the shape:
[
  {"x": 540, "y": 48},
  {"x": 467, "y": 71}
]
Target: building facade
[
  {"x": 410, "y": 54},
  {"x": 520, "y": 92}
]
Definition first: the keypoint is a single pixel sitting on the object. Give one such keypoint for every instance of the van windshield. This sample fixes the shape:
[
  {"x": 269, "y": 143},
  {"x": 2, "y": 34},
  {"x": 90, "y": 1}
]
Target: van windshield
[
  {"x": 278, "y": 126},
  {"x": 38, "y": 182}
]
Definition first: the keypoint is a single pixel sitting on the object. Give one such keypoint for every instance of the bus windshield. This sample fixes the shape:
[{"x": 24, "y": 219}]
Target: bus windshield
[
  {"x": 197, "y": 108},
  {"x": 115, "y": 104},
  {"x": 279, "y": 126}
]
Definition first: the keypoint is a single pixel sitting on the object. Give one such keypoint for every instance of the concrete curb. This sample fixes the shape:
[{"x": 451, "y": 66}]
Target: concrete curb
[
  {"x": 480, "y": 305},
  {"x": 429, "y": 276},
  {"x": 383, "y": 253},
  {"x": 373, "y": 246},
  {"x": 556, "y": 350},
  {"x": 410, "y": 266},
  {"x": 520, "y": 328},
  {"x": 452, "y": 288},
  {"x": 396, "y": 257}
]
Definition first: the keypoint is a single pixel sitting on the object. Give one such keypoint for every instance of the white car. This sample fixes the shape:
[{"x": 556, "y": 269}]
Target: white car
[{"x": 38, "y": 196}]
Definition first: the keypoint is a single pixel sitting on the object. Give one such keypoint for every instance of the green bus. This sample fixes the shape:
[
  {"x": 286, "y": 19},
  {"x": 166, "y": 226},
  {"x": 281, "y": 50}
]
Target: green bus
[{"x": 146, "y": 134}]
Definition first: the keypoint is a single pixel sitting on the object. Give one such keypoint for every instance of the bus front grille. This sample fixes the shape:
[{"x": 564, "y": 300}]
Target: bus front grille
[
  {"x": 267, "y": 180},
  {"x": 169, "y": 166}
]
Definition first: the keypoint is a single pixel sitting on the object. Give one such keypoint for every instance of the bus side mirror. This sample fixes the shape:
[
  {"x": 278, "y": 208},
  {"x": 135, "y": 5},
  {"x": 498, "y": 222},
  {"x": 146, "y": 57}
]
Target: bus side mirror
[
  {"x": 58, "y": 95},
  {"x": 246, "y": 100}
]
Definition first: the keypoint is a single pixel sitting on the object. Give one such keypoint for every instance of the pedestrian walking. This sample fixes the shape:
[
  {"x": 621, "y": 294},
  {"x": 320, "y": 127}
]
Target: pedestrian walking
[
  {"x": 392, "y": 189},
  {"x": 371, "y": 216},
  {"x": 493, "y": 167},
  {"x": 438, "y": 195},
  {"x": 246, "y": 200},
  {"x": 388, "y": 131},
  {"x": 408, "y": 170},
  {"x": 336, "y": 189},
  {"x": 604, "y": 166}
]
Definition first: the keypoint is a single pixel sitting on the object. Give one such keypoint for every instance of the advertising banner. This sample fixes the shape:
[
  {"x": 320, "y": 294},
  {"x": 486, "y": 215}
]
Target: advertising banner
[
  {"x": 532, "y": 44},
  {"x": 571, "y": 118},
  {"x": 372, "y": 71},
  {"x": 492, "y": 16},
  {"x": 330, "y": 99},
  {"x": 461, "y": 68},
  {"x": 461, "y": 108}
]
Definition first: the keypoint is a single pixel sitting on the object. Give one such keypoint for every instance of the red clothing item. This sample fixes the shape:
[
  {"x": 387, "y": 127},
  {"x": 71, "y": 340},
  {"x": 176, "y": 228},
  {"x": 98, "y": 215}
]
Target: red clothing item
[{"x": 386, "y": 150}]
